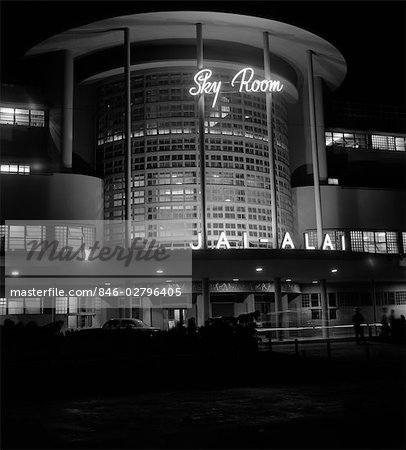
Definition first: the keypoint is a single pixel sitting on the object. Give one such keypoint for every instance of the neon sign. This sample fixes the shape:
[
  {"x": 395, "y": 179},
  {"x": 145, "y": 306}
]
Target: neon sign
[
  {"x": 287, "y": 242},
  {"x": 244, "y": 79}
]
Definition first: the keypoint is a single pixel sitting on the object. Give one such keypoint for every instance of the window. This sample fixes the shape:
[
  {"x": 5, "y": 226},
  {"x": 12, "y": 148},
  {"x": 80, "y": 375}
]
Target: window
[
  {"x": 61, "y": 305},
  {"x": 15, "y": 169},
  {"x": 22, "y": 117},
  {"x": 16, "y": 306},
  {"x": 33, "y": 306},
  {"x": 400, "y": 298},
  {"x": 17, "y": 237},
  {"x": 305, "y": 301},
  {"x": 374, "y": 241},
  {"x": 332, "y": 181},
  {"x": 316, "y": 314},
  {"x": 332, "y": 301},
  {"x": 332, "y": 314},
  {"x": 314, "y": 300},
  {"x": 348, "y": 298},
  {"x": 3, "y": 306}
]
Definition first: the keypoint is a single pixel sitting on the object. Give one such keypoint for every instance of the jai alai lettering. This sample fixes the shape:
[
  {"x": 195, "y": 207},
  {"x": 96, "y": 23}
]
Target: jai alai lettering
[
  {"x": 287, "y": 242},
  {"x": 244, "y": 79}
]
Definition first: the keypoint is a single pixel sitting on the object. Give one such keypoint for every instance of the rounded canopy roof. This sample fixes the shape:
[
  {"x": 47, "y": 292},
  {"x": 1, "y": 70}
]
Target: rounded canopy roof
[{"x": 287, "y": 41}]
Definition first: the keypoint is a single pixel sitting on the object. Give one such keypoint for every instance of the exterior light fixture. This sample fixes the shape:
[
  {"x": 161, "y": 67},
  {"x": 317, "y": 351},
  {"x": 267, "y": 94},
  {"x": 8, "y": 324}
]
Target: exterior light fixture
[
  {"x": 334, "y": 270},
  {"x": 259, "y": 269},
  {"x": 15, "y": 273},
  {"x": 288, "y": 280},
  {"x": 314, "y": 281},
  {"x": 159, "y": 271},
  {"x": 228, "y": 200},
  {"x": 236, "y": 279}
]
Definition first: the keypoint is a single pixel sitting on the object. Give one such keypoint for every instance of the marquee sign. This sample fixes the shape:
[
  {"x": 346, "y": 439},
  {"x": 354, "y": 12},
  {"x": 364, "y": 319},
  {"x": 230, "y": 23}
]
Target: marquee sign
[
  {"x": 287, "y": 242},
  {"x": 244, "y": 79}
]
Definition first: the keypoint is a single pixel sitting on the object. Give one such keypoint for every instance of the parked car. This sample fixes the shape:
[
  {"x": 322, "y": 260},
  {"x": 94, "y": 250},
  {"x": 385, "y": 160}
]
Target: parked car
[{"x": 136, "y": 325}]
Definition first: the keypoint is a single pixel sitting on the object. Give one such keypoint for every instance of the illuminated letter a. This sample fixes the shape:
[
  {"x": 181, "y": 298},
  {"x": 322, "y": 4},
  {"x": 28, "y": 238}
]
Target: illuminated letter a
[{"x": 287, "y": 241}]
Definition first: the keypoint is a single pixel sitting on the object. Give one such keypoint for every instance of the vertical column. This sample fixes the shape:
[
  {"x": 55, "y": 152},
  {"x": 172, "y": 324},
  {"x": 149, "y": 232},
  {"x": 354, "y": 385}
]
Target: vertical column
[
  {"x": 274, "y": 211},
  {"x": 320, "y": 136},
  {"x": 67, "y": 111},
  {"x": 206, "y": 299},
  {"x": 127, "y": 136},
  {"x": 278, "y": 306},
  {"x": 324, "y": 308},
  {"x": 315, "y": 159},
  {"x": 200, "y": 107},
  {"x": 203, "y": 310},
  {"x": 373, "y": 295}
]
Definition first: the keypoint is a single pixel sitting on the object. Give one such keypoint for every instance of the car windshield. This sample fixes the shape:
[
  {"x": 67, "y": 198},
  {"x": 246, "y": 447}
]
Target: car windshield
[
  {"x": 134, "y": 323},
  {"x": 117, "y": 323}
]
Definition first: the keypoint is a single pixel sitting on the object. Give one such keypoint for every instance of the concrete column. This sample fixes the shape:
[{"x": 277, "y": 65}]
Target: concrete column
[
  {"x": 324, "y": 308},
  {"x": 127, "y": 137},
  {"x": 315, "y": 159},
  {"x": 202, "y": 157},
  {"x": 250, "y": 302},
  {"x": 271, "y": 149},
  {"x": 206, "y": 299},
  {"x": 67, "y": 111},
  {"x": 373, "y": 295},
  {"x": 202, "y": 309},
  {"x": 278, "y": 306},
  {"x": 321, "y": 140}
]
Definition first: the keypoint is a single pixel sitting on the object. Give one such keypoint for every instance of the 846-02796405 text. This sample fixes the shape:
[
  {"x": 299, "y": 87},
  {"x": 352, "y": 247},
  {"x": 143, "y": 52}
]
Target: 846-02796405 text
[{"x": 100, "y": 292}]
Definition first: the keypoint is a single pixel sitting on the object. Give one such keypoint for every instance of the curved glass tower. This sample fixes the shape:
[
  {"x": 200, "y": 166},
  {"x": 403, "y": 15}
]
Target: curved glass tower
[{"x": 165, "y": 160}]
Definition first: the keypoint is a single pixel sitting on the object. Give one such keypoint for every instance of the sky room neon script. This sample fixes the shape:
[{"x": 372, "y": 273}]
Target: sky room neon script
[{"x": 244, "y": 79}]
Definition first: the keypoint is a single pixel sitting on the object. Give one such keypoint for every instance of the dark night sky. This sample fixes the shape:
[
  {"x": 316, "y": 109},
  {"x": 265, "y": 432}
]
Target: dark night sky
[{"x": 371, "y": 35}]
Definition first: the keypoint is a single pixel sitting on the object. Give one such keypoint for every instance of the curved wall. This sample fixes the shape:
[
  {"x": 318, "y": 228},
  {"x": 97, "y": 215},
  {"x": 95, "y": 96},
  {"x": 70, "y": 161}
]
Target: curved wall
[
  {"x": 165, "y": 158},
  {"x": 59, "y": 196},
  {"x": 347, "y": 208}
]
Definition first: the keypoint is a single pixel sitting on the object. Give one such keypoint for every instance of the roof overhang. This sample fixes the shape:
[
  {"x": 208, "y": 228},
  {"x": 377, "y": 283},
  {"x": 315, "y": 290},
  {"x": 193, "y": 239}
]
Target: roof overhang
[{"x": 287, "y": 41}]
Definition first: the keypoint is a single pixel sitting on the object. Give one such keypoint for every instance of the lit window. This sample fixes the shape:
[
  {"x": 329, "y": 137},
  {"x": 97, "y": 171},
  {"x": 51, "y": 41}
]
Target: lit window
[
  {"x": 3, "y": 306},
  {"x": 16, "y": 306},
  {"x": 383, "y": 142},
  {"x": 32, "y": 306},
  {"x": 7, "y": 116},
  {"x": 15, "y": 169},
  {"x": 22, "y": 117},
  {"x": 61, "y": 305}
]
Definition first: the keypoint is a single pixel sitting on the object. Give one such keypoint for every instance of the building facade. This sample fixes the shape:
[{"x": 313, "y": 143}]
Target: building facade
[{"x": 336, "y": 175}]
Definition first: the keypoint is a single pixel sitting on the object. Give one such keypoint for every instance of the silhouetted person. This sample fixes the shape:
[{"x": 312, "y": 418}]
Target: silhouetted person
[
  {"x": 402, "y": 325},
  {"x": 357, "y": 320},
  {"x": 9, "y": 324},
  {"x": 191, "y": 326},
  {"x": 385, "y": 325},
  {"x": 392, "y": 322}
]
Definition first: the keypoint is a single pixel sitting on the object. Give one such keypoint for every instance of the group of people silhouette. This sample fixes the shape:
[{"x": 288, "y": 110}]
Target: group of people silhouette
[{"x": 392, "y": 328}]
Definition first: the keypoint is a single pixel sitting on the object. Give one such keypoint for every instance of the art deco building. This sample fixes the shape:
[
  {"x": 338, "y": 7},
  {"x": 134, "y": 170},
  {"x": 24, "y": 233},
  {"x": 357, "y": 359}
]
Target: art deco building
[{"x": 288, "y": 161}]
